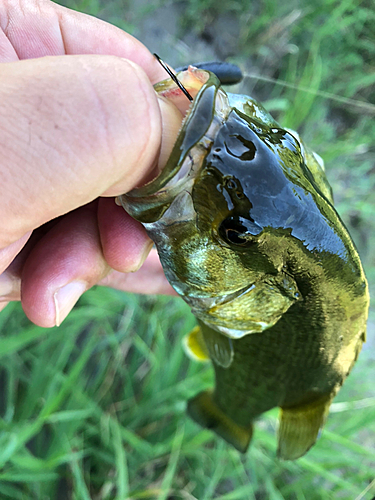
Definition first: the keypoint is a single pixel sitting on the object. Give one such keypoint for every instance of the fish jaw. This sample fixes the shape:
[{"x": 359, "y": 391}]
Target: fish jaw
[{"x": 203, "y": 118}]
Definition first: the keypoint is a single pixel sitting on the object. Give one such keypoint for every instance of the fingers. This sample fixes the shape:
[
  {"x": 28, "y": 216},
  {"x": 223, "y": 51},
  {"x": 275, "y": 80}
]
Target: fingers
[
  {"x": 8, "y": 253},
  {"x": 68, "y": 260},
  {"x": 10, "y": 287},
  {"x": 10, "y": 279},
  {"x": 62, "y": 265},
  {"x": 59, "y": 264},
  {"x": 3, "y": 305},
  {"x": 149, "y": 279},
  {"x": 90, "y": 125},
  {"x": 10, "y": 284},
  {"x": 124, "y": 240},
  {"x": 32, "y": 29},
  {"x": 83, "y": 34},
  {"x": 73, "y": 128}
]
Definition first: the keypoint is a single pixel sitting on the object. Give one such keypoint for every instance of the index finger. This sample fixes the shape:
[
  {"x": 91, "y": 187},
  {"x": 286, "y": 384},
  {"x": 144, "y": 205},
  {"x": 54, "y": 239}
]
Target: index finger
[{"x": 41, "y": 28}]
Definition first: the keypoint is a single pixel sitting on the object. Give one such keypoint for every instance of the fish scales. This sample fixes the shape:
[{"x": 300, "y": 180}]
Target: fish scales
[{"x": 243, "y": 219}]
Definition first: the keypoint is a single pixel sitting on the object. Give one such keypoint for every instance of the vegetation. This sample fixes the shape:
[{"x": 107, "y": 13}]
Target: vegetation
[{"x": 95, "y": 409}]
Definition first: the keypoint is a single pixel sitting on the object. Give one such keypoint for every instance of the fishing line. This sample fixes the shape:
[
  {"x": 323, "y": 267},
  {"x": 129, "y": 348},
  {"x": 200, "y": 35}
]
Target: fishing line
[
  {"x": 321, "y": 93},
  {"x": 174, "y": 77}
]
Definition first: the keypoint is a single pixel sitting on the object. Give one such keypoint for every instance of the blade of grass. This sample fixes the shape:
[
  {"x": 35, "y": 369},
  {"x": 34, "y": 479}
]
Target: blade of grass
[
  {"x": 32, "y": 428},
  {"x": 122, "y": 478},
  {"x": 20, "y": 477},
  {"x": 8, "y": 491},
  {"x": 10, "y": 345},
  {"x": 172, "y": 464},
  {"x": 370, "y": 487},
  {"x": 82, "y": 493}
]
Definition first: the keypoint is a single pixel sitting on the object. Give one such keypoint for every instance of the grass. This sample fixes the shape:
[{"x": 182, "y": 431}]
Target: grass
[{"x": 95, "y": 409}]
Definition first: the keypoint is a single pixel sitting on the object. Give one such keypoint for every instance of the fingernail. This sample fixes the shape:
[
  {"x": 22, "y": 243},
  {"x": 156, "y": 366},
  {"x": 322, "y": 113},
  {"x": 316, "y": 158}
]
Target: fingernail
[
  {"x": 9, "y": 287},
  {"x": 65, "y": 298},
  {"x": 142, "y": 257}
]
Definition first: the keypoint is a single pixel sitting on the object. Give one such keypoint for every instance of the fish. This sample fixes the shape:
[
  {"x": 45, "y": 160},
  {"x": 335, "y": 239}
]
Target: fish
[{"x": 243, "y": 220}]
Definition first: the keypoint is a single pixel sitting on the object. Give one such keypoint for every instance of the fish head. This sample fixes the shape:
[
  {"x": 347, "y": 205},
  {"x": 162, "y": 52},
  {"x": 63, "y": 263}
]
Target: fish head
[{"x": 235, "y": 193}]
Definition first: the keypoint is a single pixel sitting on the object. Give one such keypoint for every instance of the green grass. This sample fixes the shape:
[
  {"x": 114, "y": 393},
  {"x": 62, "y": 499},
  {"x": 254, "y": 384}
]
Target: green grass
[{"x": 95, "y": 409}]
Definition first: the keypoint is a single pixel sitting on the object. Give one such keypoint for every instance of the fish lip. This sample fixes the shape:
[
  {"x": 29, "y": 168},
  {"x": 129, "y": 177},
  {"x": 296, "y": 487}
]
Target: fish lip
[
  {"x": 209, "y": 110},
  {"x": 195, "y": 124}
]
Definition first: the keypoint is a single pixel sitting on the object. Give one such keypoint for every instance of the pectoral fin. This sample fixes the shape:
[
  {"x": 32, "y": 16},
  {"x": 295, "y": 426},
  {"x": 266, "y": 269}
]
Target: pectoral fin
[
  {"x": 220, "y": 347},
  {"x": 195, "y": 346},
  {"x": 203, "y": 344},
  {"x": 299, "y": 428},
  {"x": 205, "y": 412}
]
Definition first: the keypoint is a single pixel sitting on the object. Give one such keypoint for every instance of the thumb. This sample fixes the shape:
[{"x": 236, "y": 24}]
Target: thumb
[{"x": 73, "y": 128}]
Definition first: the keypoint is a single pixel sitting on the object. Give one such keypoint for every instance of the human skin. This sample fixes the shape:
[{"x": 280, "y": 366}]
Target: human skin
[{"x": 80, "y": 124}]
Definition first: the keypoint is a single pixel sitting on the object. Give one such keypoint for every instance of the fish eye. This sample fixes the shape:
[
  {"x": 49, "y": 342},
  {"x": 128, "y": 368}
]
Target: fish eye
[{"x": 237, "y": 230}]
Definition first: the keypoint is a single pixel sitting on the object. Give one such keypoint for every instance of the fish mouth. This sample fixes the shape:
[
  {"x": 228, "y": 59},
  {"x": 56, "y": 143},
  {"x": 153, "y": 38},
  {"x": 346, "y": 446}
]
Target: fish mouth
[{"x": 203, "y": 119}]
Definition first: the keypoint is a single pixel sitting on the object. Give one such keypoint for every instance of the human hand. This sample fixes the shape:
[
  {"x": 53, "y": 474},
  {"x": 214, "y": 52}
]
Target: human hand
[{"x": 77, "y": 129}]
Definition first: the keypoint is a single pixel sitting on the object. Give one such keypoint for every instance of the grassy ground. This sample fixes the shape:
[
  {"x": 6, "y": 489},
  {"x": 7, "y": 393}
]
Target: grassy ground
[{"x": 95, "y": 409}]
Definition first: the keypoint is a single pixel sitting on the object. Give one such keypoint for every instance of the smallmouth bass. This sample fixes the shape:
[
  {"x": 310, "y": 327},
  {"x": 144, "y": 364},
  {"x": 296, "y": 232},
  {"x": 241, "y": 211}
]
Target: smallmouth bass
[{"x": 243, "y": 220}]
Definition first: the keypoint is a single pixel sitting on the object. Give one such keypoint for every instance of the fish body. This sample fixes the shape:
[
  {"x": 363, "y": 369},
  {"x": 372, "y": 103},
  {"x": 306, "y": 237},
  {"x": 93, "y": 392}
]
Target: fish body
[{"x": 243, "y": 220}]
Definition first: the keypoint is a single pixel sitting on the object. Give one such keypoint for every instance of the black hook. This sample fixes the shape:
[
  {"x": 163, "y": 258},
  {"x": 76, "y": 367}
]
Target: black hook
[{"x": 174, "y": 78}]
